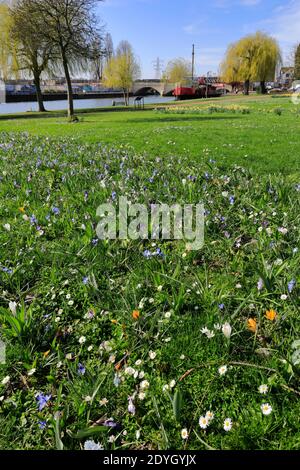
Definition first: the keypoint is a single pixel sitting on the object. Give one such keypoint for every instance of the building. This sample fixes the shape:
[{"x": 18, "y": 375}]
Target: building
[{"x": 286, "y": 76}]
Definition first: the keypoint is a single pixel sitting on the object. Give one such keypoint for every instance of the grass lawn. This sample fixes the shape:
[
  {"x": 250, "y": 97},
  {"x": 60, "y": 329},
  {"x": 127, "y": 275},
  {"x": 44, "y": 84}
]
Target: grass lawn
[
  {"x": 262, "y": 141},
  {"x": 138, "y": 344}
]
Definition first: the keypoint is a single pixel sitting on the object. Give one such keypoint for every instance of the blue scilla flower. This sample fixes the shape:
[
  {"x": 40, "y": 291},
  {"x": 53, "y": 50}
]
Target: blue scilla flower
[
  {"x": 81, "y": 369},
  {"x": 55, "y": 210},
  {"x": 42, "y": 400},
  {"x": 42, "y": 425},
  {"x": 291, "y": 285}
]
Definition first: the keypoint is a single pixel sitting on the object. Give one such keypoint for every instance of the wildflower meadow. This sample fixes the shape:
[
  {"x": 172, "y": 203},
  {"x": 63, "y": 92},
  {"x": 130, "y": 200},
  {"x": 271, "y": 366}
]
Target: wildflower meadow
[{"x": 147, "y": 344}]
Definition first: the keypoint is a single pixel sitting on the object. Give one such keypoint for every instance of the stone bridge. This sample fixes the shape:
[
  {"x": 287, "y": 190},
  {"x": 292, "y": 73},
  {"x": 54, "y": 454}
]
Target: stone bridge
[{"x": 141, "y": 87}]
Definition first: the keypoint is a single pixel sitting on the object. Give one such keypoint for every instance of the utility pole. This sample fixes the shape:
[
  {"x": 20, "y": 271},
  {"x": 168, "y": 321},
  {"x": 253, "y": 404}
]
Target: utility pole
[
  {"x": 193, "y": 63},
  {"x": 158, "y": 66}
]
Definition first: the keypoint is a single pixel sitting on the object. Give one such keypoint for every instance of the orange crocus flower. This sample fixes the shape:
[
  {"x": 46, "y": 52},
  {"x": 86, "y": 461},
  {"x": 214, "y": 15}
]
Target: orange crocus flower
[
  {"x": 271, "y": 315},
  {"x": 136, "y": 315},
  {"x": 252, "y": 325}
]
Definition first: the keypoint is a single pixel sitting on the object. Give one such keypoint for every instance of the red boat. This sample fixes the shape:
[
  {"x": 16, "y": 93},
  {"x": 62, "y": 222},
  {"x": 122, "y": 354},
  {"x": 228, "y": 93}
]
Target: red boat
[{"x": 203, "y": 87}]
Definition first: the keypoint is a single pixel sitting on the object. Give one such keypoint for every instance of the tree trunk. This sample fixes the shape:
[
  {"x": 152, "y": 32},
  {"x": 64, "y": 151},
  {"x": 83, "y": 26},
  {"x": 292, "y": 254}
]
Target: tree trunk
[
  {"x": 263, "y": 88},
  {"x": 125, "y": 96},
  {"x": 69, "y": 86},
  {"x": 247, "y": 87},
  {"x": 39, "y": 96}
]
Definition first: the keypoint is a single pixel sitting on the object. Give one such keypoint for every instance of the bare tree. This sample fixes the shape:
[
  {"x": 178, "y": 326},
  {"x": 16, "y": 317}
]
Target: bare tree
[
  {"x": 33, "y": 54},
  {"x": 108, "y": 47},
  {"x": 70, "y": 28}
]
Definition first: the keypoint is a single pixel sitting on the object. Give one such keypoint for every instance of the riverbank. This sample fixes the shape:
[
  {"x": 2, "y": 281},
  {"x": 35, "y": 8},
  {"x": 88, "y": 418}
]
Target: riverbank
[
  {"x": 31, "y": 97},
  {"x": 9, "y": 110}
]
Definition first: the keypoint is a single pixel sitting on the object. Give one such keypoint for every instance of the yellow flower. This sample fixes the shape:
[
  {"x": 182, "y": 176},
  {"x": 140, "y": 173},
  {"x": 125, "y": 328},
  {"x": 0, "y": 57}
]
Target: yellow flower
[
  {"x": 22, "y": 210},
  {"x": 252, "y": 325},
  {"x": 271, "y": 315}
]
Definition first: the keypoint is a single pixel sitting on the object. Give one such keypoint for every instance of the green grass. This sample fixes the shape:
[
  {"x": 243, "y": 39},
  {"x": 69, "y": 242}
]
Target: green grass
[
  {"x": 59, "y": 284},
  {"x": 262, "y": 140}
]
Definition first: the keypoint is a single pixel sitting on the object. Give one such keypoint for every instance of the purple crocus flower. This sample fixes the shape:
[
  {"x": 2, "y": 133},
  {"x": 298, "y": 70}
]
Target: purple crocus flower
[
  {"x": 131, "y": 406},
  {"x": 260, "y": 285},
  {"x": 42, "y": 425},
  {"x": 42, "y": 400}
]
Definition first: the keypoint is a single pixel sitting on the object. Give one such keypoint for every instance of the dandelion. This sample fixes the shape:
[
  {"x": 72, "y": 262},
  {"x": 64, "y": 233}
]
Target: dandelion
[
  {"x": 184, "y": 434},
  {"x": 266, "y": 409},
  {"x": 223, "y": 370},
  {"x": 203, "y": 422},
  {"x": 252, "y": 325},
  {"x": 263, "y": 389},
  {"x": 227, "y": 330},
  {"x": 271, "y": 315},
  {"x": 6, "y": 380},
  {"x": 227, "y": 424}
]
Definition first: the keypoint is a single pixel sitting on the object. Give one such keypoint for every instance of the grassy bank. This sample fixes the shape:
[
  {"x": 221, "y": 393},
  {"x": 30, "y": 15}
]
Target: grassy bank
[{"x": 142, "y": 344}]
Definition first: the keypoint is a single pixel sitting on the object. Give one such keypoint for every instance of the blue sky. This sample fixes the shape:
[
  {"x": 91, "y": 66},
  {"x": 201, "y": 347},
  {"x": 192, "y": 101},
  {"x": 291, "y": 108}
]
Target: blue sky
[{"x": 168, "y": 28}]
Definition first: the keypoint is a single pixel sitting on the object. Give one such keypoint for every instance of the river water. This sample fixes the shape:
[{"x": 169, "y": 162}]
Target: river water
[{"x": 6, "y": 108}]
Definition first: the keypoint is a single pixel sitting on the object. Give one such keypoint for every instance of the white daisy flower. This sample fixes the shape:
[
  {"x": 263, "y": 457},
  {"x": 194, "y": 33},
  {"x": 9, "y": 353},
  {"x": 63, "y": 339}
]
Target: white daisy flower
[
  {"x": 263, "y": 389},
  {"x": 152, "y": 355},
  {"x": 203, "y": 422},
  {"x": 223, "y": 370},
  {"x": 82, "y": 340},
  {"x": 184, "y": 434},
  {"x": 142, "y": 396},
  {"x": 210, "y": 415},
  {"x": 227, "y": 424},
  {"x": 130, "y": 371},
  {"x": 144, "y": 385},
  {"x": 168, "y": 315},
  {"x": 266, "y": 409},
  {"x": 173, "y": 384},
  {"x": 165, "y": 388}
]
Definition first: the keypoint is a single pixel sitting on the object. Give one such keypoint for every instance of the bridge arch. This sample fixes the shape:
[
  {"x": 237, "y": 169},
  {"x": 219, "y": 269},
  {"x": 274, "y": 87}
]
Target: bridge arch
[{"x": 144, "y": 90}]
